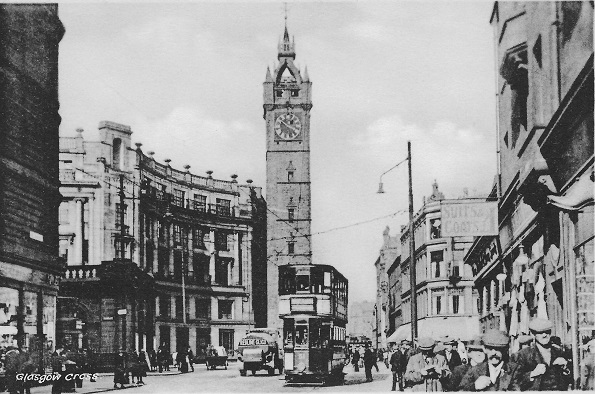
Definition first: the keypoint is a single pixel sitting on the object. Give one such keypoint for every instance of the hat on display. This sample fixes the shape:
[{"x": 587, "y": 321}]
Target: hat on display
[
  {"x": 406, "y": 342},
  {"x": 495, "y": 338},
  {"x": 540, "y": 325},
  {"x": 426, "y": 343},
  {"x": 474, "y": 344}
]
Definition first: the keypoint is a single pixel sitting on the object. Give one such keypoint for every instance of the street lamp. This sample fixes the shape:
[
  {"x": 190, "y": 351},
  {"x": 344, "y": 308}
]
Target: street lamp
[
  {"x": 412, "y": 267},
  {"x": 376, "y": 324}
]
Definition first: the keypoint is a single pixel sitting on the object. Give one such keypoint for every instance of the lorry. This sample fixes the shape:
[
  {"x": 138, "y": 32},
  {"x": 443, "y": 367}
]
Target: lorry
[{"x": 259, "y": 350}]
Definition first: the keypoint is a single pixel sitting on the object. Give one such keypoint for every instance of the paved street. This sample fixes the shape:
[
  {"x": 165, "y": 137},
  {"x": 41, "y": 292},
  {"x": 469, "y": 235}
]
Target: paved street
[{"x": 220, "y": 380}]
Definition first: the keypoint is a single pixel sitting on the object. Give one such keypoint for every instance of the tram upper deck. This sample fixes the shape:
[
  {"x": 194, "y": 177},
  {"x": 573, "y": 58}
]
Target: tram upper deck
[{"x": 314, "y": 289}]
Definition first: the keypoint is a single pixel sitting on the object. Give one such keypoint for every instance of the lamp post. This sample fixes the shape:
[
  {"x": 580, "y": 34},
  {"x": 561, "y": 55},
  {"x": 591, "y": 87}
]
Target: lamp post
[
  {"x": 412, "y": 268},
  {"x": 376, "y": 324}
]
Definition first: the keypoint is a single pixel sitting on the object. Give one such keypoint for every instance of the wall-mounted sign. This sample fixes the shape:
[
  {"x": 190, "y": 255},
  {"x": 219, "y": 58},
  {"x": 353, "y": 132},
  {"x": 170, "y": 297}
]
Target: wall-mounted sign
[{"x": 463, "y": 219}]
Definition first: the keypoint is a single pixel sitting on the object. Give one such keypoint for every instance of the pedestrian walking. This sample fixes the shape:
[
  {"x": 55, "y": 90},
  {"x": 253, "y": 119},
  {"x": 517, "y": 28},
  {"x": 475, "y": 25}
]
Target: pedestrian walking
[
  {"x": 190, "y": 355},
  {"x": 475, "y": 356},
  {"x": 543, "y": 366},
  {"x": 496, "y": 373},
  {"x": 58, "y": 368},
  {"x": 355, "y": 360},
  {"x": 398, "y": 364},
  {"x": 588, "y": 368},
  {"x": 426, "y": 370},
  {"x": 153, "y": 360},
  {"x": 453, "y": 359},
  {"x": 376, "y": 358},
  {"x": 26, "y": 365},
  {"x": 369, "y": 362},
  {"x": 120, "y": 364},
  {"x": 181, "y": 361},
  {"x": 11, "y": 368}
]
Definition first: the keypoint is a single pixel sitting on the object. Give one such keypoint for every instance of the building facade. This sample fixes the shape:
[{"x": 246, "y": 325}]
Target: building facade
[
  {"x": 187, "y": 245},
  {"x": 30, "y": 269},
  {"x": 541, "y": 263},
  {"x": 361, "y": 320},
  {"x": 446, "y": 301},
  {"x": 287, "y": 105},
  {"x": 388, "y": 253}
]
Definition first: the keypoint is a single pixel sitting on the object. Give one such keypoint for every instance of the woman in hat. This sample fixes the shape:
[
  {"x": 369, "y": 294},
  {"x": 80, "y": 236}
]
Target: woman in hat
[{"x": 426, "y": 370}]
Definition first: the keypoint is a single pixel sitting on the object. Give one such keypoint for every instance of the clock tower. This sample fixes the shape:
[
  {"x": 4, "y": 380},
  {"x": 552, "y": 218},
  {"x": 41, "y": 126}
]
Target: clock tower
[{"x": 287, "y": 105}]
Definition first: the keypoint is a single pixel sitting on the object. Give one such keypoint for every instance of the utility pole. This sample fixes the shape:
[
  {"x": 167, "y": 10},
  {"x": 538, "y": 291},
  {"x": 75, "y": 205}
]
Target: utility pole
[
  {"x": 412, "y": 268},
  {"x": 122, "y": 254}
]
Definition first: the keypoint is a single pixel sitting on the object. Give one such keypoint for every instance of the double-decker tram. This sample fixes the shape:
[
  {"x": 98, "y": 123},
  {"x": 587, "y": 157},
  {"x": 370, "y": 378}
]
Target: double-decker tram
[{"x": 313, "y": 306}]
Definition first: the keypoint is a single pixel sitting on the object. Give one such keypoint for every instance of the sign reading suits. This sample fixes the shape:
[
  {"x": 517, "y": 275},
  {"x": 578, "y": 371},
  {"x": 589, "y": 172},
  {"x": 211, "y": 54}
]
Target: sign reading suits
[{"x": 469, "y": 218}]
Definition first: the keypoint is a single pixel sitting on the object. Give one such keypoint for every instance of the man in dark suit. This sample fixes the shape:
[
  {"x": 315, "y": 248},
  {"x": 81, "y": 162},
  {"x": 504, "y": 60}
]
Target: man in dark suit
[
  {"x": 453, "y": 358},
  {"x": 58, "y": 368},
  {"x": 542, "y": 366},
  {"x": 475, "y": 356},
  {"x": 496, "y": 373}
]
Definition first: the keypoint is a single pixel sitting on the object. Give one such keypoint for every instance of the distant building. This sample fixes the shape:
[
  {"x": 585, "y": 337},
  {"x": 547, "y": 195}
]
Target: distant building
[
  {"x": 541, "y": 263},
  {"x": 446, "y": 301},
  {"x": 361, "y": 319},
  {"x": 191, "y": 250},
  {"x": 388, "y": 253},
  {"x": 30, "y": 269}
]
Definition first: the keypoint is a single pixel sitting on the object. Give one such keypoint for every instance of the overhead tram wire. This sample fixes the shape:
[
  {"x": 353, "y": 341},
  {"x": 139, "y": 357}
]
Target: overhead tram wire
[{"x": 268, "y": 209}]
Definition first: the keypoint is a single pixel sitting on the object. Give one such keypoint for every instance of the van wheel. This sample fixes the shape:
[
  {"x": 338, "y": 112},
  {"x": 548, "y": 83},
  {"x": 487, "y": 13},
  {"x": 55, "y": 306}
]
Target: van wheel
[
  {"x": 271, "y": 371},
  {"x": 242, "y": 372},
  {"x": 253, "y": 372}
]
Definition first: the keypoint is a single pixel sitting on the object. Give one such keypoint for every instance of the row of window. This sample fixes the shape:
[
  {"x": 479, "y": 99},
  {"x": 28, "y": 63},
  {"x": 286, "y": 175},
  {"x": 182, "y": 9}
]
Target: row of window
[
  {"x": 201, "y": 236},
  {"x": 442, "y": 301},
  {"x": 198, "y": 202},
  {"x": 202, "y": 308}
]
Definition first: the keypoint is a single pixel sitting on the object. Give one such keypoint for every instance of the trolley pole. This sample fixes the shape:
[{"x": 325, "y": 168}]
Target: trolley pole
[{"x": 412, "y": 268}]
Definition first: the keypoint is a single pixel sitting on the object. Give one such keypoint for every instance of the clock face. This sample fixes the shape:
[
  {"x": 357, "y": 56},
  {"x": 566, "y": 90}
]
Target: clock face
[{"x": 288, "y": 126}]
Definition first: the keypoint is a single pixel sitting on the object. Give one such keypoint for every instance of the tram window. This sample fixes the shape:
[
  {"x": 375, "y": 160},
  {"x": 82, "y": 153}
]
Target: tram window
[
  {"x": 287, "y": 282},
  {"x": 288, "y": 329},
  {"x": 289, "y": 339},
  {"x": 325, "y": 335},
  {"x": 316, "y": 281},
  {"x": 302, "y": 282},
  {"x": 327, "y": 282},
  {"x": 301, "y": 335}
]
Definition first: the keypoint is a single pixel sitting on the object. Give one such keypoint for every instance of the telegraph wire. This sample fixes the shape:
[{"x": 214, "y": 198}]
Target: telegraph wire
[{"x": 271, "y": 211}]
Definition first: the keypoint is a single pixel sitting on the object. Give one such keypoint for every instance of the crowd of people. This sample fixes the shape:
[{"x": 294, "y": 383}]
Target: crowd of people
[{"x": 485, "y": 363}]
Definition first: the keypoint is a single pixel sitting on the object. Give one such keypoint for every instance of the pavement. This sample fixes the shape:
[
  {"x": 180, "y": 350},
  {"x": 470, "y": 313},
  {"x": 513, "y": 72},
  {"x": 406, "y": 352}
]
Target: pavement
[{"x": 220, "y": 380}]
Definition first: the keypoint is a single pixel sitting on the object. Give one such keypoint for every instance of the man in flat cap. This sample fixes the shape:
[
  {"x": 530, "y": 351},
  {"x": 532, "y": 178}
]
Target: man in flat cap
[
  {"x": 543, "y": 367},
  {"x": 453, "y": 358},
  {"x": 475, "y": 355},
  {"x": 524, "y": 341},
  {"x": 426, "y": 370},
  {"x": 398, "y": 362},
  {"x": 496, "y": 373}
]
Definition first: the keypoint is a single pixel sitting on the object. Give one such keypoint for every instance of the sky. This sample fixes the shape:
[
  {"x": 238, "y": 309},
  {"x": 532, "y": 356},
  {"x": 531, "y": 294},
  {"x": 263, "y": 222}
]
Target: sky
[{"x": 187, "y": 77}]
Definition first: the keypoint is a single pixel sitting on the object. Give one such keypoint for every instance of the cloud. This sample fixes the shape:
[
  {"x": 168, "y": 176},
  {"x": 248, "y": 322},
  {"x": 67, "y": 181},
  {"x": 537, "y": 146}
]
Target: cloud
[
  {"x": 188, "y": 136},
  {"x": 457, "y": 157}
]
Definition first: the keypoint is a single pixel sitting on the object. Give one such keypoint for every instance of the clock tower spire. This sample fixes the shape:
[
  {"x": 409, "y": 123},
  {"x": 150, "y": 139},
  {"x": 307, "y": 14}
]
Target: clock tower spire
[{"x": 287, "y": 104}]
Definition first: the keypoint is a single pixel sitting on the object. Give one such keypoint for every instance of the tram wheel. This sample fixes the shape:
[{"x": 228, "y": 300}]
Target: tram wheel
[
  {"x": 271, "y": 371},
  {"x": 253, "y": 372},
  {"x": 242, "y": 372}
]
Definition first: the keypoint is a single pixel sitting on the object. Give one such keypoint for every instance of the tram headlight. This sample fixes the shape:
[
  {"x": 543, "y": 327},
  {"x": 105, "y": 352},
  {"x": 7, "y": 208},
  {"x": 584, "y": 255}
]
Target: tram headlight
[
  {"x": 284, "y": 307},
  {"x": 288, "y": 361},
  {"x": 323, "y": 306}
]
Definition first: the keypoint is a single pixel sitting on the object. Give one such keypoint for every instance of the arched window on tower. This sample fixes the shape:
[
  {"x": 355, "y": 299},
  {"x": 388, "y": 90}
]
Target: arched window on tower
[{"x": 116, "y": 153}]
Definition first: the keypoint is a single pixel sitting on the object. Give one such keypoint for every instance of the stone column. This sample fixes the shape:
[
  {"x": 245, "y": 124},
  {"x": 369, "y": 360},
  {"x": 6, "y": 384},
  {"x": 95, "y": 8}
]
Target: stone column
[
  {"x": 170, "y": 243},
  {"x": 78, "y": 231},
  {"x": 155, "y": 245},
  {"x": 172, "y": 343}
]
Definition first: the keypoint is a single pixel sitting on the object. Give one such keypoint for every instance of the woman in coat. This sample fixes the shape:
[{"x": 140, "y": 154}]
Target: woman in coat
[{"x": 426, "y": 370}]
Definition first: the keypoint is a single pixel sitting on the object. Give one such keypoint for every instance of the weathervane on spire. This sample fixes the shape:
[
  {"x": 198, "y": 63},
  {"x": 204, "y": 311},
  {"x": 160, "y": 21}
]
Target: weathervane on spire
[{"x": 285, "y": 5}]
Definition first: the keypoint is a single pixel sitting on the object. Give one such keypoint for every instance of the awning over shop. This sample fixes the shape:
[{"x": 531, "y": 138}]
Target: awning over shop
[
  {"x": 403, "y": 332},
  {"x": 459, "y": 328}
]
